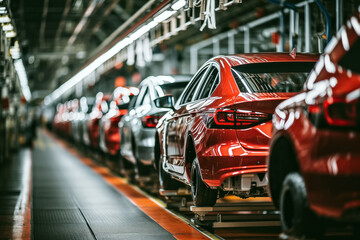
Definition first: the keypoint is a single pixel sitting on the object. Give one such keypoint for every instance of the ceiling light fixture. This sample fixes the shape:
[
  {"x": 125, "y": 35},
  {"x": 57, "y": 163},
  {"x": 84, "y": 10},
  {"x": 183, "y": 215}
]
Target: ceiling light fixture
[
  {"x": 87, "y": 70},
  {"x": 111, "y": 52},
  {"x": 7, "y": 27},
  {"x": 20, "y": 70},
  {"x": 179, "y": 4},
  {"x": 5, "y": 19},
  {"x": 163, "y": 16},
  {"x": 10, "y": 34},
  {"x": 3, "y": 10}
]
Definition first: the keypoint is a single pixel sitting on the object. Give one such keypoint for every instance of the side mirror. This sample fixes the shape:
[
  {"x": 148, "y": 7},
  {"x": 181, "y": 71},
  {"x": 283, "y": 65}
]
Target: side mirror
[{"x": 166, "y": 101}]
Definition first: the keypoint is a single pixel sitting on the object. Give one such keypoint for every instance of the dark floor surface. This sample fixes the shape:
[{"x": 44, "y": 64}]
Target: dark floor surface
[{"x": 70, "y": 201}]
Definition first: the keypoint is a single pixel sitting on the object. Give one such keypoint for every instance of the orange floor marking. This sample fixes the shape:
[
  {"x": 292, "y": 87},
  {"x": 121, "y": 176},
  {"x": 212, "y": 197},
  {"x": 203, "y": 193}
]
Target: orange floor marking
[
  {"x": 174, "y": 225},
  {"x": 26, "y": 233}
]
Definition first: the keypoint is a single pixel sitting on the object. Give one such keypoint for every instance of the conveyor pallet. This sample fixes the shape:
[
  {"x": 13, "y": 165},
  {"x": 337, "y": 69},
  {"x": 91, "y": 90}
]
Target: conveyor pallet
[{"x": 234, "y": 215}]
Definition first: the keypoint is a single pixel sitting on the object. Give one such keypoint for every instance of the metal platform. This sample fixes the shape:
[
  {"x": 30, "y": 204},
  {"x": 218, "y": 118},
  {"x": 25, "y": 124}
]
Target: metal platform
[{"x": 235, "y": 215}]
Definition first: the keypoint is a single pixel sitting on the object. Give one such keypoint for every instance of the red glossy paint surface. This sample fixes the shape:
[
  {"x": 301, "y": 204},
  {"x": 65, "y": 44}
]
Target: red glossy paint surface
[
  {"x": 93, "y": 120},
  {"x": 112, "y": 118},
  {"x": 222, "y": 152},
  {"x": 328, "y": 155}
]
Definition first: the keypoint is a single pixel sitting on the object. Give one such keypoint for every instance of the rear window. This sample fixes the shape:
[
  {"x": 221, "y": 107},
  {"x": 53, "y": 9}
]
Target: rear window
[
  {"x": 350, "y": 59},
  {"x": 174, "y": 89},
  {"x": 271, "y": 77}
]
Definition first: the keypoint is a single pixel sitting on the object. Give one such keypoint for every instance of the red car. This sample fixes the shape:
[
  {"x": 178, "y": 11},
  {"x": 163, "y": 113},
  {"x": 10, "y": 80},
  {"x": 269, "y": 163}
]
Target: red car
[
  {"x": 110, "y": 139},
  {"x": 215, "y": 138},
  {"x": 314, "y": 160},
  {"x": 100, "y": 107}
]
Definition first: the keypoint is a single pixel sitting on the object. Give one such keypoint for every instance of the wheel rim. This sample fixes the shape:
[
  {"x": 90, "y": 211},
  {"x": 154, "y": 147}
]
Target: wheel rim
[{"x": 287, "y": 210}]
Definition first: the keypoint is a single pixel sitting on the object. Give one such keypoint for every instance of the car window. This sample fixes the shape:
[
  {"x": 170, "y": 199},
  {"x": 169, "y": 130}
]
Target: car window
[
  {"x": 146, "y": 97},
  {"x": 141, "y": 95},
  {"x": 132, "y": 102},
  {"x": 212, "y": 79},
  {"x": 175, "y": 89},
  {"x": 272, "y": 76},
  {"x": 190, "y": 90},
  {"x": 349, "y": 60}
]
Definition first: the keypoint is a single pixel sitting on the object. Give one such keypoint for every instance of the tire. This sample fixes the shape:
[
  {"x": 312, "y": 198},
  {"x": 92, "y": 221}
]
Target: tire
[
  {"x": 297, "y": 219},
  {"x": 201, "y": 194},
  {"x": 165, "y": 180}
]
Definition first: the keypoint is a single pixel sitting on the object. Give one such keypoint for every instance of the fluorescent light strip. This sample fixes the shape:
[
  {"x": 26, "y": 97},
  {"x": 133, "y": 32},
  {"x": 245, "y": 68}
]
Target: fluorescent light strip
[
  {"x": 7, "y": 27},
  {"x": 179, "y": 4},
  {"x": 20, "y": 70},
  {"x": 89, "y": 69},
  {"x": 110, "y": 53},
  {"x": 164, "y": 15}
]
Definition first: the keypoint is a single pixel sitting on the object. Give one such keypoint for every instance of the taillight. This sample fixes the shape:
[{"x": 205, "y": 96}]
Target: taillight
[
  {"x": 150, "y": 121},
  {"x": 335, "y": 112},
  {"x": 115, "y": 119},
  {"x": 224, "y": 118}
]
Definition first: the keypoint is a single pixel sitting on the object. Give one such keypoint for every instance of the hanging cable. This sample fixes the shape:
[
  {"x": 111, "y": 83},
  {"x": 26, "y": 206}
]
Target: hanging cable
[{"x": 209, "y": 20}]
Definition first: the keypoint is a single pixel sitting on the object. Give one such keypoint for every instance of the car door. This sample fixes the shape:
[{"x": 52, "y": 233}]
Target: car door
[{"x": 178, "y": 124}]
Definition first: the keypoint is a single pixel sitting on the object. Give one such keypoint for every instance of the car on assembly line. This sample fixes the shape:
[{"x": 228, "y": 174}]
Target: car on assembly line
[
  {"x": 137, "y": 127},
  {"x": 314, "y": 159},
  {"x": 109, "y": 124},
  {"x": 85, "y": 107},
  {"x": 215, "y": 138},
  {"x": 101, "y": 107}
]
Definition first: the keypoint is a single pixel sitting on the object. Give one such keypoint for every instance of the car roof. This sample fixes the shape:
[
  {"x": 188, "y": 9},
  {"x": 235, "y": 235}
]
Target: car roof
[
  {"x": 248, "y": 58},
  {"x": 165, "y": 79}
]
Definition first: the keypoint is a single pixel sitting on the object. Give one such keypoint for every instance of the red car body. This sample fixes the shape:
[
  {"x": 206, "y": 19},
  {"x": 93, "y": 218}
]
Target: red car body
[
  {"x": 231, "y": 156},
  {"x": 118, "y": 108},
  {"x": 319, "y": 129},
  {"x": 100, "y": 107}
]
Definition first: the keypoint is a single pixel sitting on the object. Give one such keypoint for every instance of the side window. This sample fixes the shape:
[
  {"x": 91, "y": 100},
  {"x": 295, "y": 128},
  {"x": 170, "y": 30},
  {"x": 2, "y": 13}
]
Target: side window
[
  {"x": 210, "y": 82},
  {"x": 132, "y": 102},
  {"x": 349, "y": 60},
  {"x": 192, "y": 86},
  {"x": 146, "y": 97}
]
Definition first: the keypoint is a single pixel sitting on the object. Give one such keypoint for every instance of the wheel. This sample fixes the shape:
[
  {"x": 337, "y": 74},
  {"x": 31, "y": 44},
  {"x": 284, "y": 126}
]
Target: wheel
[
  {"x": 165, "y": 180},
  {"x": 297, "y": 219},
  {"x": 201, "y": 194}
]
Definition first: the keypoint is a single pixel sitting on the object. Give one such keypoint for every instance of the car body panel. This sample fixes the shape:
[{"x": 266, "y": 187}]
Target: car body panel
[
  {"x": 221, "y": 153},
  {"x": 137, "y": 140},
  {"x": 328, "y": 156}
]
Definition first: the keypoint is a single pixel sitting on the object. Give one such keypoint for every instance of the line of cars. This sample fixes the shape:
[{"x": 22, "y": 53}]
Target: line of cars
[{"x": 220, "y": 131}]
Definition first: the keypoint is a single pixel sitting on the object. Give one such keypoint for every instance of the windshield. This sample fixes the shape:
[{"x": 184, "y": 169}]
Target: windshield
[
  {"x": 174, "y": 89},
  {"x": 271, "y": 77}
]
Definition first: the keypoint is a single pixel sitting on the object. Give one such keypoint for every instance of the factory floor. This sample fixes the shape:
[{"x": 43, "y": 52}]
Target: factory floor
[{"x": 52, "y": 192}]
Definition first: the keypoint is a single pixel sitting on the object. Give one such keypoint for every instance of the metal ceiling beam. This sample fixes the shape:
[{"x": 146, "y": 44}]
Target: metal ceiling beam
[
  {"x": 83, "y": 21},
  {"x": 106, "y": 13},
  {"x": 125, "y": 25},
  {"x": 62, "y": 22},
  {"x": 43, "y": 21},
  {"x": 53, "y": 55}
]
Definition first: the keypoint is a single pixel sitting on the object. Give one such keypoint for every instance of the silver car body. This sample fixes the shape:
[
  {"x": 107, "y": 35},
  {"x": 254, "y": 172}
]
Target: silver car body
[{"x": 137, "y": 140}]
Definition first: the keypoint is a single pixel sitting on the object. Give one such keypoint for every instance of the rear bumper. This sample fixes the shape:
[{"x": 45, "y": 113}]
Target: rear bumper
[{"x": 216, "y": 169}]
